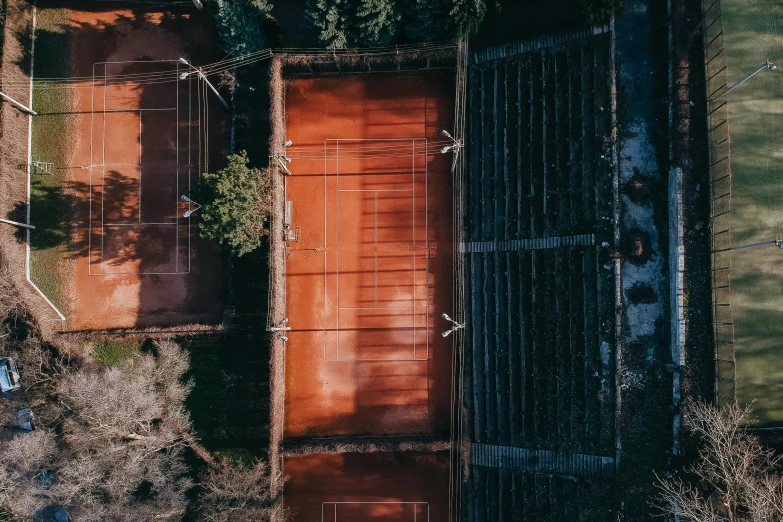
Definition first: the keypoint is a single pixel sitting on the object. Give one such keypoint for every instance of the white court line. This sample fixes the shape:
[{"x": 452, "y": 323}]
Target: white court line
[
  {"x": 413, "y": 238},
  {"x": 103, "y": 159},
  {"x": 190, "y": 166},
  {"x": 140, "y": 166},
  {"x": 373, "y": 308},
  {"x": 426, "y": 251},
  {"x": 337, "y": 272},
  {"x": 374, "y": 190},
  {"x": 103, "y": 165},
  {"x": 92, "y": 138},
  {"x": 136, "y": 224},
  {"x": 139, "y": 273},
  {"x": 176, "y": 192},
  {"x": 415, "y": 506},
  {"x": 376, "y": 252},
  {"x": 138, "y": 109},
  {"x": 412, "y": 190},
  {"x": 138, "y": 61},
  {"x": 325, "y": 250}
]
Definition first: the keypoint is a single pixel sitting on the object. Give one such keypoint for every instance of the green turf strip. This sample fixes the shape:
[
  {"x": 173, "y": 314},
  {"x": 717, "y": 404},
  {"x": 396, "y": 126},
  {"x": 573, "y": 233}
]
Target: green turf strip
[
  {"x": 52, "y": 136},
  {"x": 753, "y": 35}
]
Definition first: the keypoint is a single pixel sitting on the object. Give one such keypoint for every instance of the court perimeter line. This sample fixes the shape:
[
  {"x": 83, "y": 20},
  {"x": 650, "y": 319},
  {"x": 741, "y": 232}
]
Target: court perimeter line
[
  {"x": 134, "y": 109},
  {"x": 412, "y": 190},
  {"x": 103, "y": 158},
  {"x": 374, "y": 190},
  {"x": 399, "y": 503},
  {"x": 139, "y": 61},
  {"x": 103, "y": 166},
  {"x": 140, "y": 165},
  {"x": 92, "y": 138},
  {"x": 176, "y": 193},
  {"x": 136, "y": 224}
]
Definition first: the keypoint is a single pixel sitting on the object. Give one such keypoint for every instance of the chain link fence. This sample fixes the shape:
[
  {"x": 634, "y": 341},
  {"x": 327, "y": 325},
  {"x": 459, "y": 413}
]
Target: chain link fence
[{"x": 720, "y": 198}]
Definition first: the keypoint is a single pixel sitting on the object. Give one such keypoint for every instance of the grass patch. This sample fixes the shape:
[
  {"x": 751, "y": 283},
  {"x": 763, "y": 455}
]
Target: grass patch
[
  {"x": 114, "y": 353},
  {"x": 50, "y": 205},
  {"x": 756, "y": 128}
]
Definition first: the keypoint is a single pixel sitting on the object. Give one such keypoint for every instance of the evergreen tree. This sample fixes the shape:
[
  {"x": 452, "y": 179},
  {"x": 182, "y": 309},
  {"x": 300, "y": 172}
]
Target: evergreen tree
[
  {"x": 426, "y": 20},
  {"x": 467, "y": 15},
  {"x": 236, "y": 205},
  {"x": 330, "y": 21},
  {"x": 238, "y": 29},
  {"x": 377, "y": 22}
]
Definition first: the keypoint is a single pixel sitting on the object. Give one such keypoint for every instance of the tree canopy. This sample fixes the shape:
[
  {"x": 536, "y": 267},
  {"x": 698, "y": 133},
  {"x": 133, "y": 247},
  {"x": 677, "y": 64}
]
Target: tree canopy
[
  {"x": 236, "y": 203},
  {"x": 377, "y": 22},
  {"x": 239, "y": 24},
  {"x": 331, "y": 22}
]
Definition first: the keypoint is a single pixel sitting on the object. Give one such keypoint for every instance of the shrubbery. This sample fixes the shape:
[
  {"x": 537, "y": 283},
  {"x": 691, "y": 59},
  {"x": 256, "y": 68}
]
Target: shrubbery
[{"x": 236, "y": 203}]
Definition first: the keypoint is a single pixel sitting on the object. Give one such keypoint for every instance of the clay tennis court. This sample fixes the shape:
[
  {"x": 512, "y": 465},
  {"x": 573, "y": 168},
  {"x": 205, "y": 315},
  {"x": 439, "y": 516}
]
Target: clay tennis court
[
  {"x": 382, "y": 487},
  {"x": 369, "y": 271},
  {"x": 141, "y": 146}
]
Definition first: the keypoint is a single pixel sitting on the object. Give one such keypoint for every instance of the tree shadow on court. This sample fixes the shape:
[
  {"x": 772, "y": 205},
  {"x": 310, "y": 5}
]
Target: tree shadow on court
[{"x": 51, "y": 213}]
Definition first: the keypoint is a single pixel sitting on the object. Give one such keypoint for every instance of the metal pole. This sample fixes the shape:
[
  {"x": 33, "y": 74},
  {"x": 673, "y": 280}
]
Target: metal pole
[
  {"x": 31, "y": 227},
  {"x": 203, "y": 77},
  {"x": 766, "y": 65},
  {"x": 25, "y": 108},
  {"x": 777, "y": 242}
]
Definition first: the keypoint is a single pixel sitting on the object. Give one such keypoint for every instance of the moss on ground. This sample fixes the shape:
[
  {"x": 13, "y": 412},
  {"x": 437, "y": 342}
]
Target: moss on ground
[
  {"x": 50, "y": 204},
  {"x": 115, "y": 352}
]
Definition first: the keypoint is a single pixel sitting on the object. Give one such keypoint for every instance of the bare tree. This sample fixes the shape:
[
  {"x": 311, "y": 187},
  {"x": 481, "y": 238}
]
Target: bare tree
[
  {"x": 733, "y": 479},
  {"x": 124, "y": 434},
  {"x": 22, "y": 460},
  {"x": 236, "y": 493}
]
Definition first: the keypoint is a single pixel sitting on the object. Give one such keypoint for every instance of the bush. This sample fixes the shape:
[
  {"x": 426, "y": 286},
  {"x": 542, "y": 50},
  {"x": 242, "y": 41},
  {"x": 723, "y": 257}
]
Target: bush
[{"x": 236, "y": 202}]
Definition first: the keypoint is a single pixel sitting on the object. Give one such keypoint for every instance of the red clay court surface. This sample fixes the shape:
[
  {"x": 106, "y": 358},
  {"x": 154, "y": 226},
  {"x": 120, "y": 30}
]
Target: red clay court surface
[
  {"x": 372, "y": 269},
  {"x": 140, "y": 148},
  {"x": 378, "y": 487}
]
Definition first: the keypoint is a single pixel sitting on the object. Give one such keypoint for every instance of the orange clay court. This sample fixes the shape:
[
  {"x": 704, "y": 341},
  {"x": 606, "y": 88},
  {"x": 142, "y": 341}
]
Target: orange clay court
[
  {"x": 370, "y": 271},
  {"x": 141, "y": 146},
  {"x": 378, "y": 487}
]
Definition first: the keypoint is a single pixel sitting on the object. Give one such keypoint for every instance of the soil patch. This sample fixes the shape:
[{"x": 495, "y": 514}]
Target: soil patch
[{"x": 637, "y": 247}]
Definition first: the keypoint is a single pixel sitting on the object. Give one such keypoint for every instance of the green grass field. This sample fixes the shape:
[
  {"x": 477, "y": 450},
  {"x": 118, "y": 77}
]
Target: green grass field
[
  {"x": 753, "y": 35},
  {"x": 50, "y": 204}
]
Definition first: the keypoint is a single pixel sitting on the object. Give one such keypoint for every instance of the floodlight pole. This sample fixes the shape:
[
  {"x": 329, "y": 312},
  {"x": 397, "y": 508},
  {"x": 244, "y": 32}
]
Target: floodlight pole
[
  {"x": 25, "y": 108},
  {"x": 16, "y": 223},
  {"x": 203, "y": 77},
  {"x": 766, "y": 65},
  {"x": 777, "y": 242}
]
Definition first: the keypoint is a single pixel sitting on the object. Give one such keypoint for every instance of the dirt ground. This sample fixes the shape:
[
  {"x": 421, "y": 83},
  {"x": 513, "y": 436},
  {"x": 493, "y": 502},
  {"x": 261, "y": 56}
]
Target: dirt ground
[
  {"x": 372, "y": 271},
  {"x": 138, "y": 263},
  {"x": 353, "y": 487}
]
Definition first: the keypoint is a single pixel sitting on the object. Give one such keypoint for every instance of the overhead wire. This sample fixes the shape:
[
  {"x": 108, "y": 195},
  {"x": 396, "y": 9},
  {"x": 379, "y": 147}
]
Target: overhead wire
[
  {"x": 317, "y": 152},
  {"x": 227, "y": 64},
  {"x": 149, "y": 77}
]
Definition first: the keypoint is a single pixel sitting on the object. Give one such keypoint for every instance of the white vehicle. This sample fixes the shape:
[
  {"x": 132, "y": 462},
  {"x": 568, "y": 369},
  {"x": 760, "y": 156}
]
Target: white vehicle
[{"x": 9, "y": 376}]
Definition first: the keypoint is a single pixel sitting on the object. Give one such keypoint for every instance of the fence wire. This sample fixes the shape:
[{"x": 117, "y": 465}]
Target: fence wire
[
  {"x": 720, "y": 198},
  {"x": 457, "y": 398}
]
